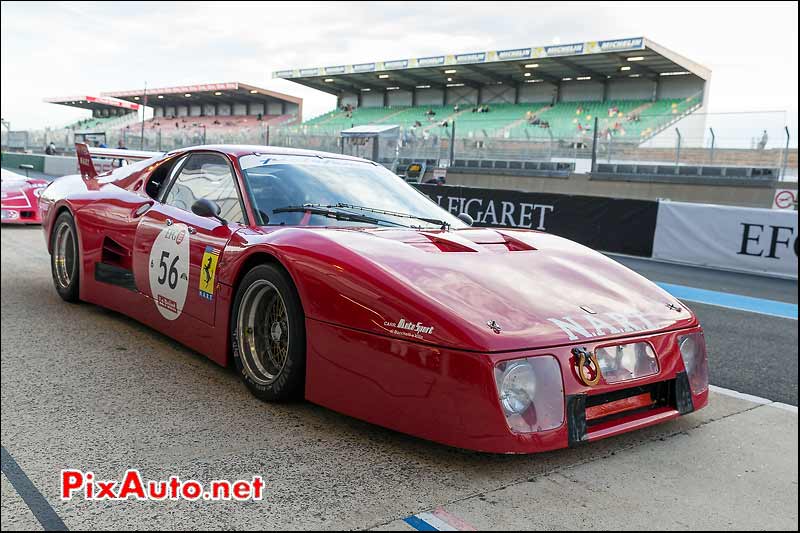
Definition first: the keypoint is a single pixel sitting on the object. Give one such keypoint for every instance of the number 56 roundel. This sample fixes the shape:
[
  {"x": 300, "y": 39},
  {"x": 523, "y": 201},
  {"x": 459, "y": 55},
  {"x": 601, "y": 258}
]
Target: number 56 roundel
[{"x": 169, "y": 270}]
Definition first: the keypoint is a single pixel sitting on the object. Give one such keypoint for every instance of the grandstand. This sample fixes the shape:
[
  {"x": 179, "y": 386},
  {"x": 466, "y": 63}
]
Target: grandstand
[
  {"x": 183, "y": 115},
  {"x": 218, "y": 106},
  {"x": 634, "y": 87},
  {"x": 106, "y": 112}
]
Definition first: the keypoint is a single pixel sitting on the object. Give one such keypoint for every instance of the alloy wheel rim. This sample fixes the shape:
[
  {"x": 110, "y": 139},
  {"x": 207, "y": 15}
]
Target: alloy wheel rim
[
  {"x": 65, "y": 254},
  {"x": 263, "y": 332}
]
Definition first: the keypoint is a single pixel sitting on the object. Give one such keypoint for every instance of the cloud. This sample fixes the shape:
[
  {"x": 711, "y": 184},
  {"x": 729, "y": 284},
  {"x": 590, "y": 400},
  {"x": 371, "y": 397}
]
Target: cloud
[{"x": 71, "y": 48}]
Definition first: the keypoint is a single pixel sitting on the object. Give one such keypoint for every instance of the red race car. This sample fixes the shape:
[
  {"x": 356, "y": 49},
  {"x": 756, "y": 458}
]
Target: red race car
[
  {"x": 20, "y": 198},
  {"x": 328, "y": 277}
]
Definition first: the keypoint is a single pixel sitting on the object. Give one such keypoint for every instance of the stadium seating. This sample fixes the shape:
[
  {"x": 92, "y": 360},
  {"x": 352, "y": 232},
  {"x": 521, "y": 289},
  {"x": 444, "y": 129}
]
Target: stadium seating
[
  {"x": 218, "y": 122},
  {"x": 632, "y": 120}
]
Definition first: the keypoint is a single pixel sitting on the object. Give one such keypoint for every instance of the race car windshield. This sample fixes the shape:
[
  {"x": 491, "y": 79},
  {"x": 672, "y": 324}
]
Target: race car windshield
[{"x": 278, "y": 181}]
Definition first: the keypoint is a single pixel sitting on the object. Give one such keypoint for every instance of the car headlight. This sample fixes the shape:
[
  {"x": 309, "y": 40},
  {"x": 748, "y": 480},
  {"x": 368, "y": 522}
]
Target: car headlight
[
  {"x": 627, "y": 361},
  {"x": 695, "y": 360},
  {"x": 518, "y": 387},
  {"x": 531, "y": 393}
]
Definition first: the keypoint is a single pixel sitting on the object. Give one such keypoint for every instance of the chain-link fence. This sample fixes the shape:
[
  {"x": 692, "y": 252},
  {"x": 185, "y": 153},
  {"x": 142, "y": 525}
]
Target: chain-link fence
[
  {"x": 758, "y": 139},
  {"x": 724, "y": 139}
]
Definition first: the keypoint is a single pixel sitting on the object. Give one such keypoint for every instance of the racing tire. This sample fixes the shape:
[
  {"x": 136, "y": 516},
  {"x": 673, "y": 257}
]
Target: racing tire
[
  {"x": 65, "y": 258},
  {"x": 268, "y": 335}
]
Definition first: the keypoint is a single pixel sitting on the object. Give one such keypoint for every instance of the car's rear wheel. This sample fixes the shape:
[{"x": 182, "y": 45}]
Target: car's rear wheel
[
  {"x": 268, "y": 334},
  {"x": 65, "y": 258}
]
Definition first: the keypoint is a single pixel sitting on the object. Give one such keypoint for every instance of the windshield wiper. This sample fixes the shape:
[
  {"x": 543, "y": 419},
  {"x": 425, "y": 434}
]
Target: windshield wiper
[
  {"x": 444, "y": 225},
  {"x": 330, "y": 212}
]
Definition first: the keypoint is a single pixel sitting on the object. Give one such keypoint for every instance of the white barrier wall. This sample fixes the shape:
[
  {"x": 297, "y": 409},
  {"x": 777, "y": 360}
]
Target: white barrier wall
[{"x": 736, "y": 238}]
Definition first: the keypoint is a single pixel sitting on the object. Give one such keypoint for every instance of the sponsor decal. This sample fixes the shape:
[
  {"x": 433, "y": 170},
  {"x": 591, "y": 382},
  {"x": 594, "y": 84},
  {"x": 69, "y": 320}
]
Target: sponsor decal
[
  {"x": 477, "y": 57},
  {"x": 364, "y": 67},
  {"x": 785, "y": 199},
  {"x": 208, "y": 270},
  {"x": 400, "y": 63},
  {"x": 409, "y": 329},
  {"x": 499, "y": 213},
  {"x": 169, "y": 270},
  {"x": 564, "y": 50},
  {"x": 601, "y": 324},
  {"x": 594, "y": 47},
  {"x": 430, "y": 61},
  {"x": 519, "y": 53},
  {"x": 778, "y": 238},
  {"x": 595, "y": 222}
]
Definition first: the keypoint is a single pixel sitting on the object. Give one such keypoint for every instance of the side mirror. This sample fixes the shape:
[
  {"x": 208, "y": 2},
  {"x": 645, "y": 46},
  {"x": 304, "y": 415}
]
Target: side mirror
[
  {"x": 466, "y": 219},
  {"x": 207, "y": 208}
]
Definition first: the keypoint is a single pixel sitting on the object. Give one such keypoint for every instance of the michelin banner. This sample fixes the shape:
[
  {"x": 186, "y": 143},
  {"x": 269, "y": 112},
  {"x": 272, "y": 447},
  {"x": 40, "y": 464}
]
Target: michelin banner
[{"x": 735, "y": 238}]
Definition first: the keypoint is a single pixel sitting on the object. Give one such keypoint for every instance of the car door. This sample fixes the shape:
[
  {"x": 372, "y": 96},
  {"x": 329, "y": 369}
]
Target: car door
[{"x": 177, "y": 251}]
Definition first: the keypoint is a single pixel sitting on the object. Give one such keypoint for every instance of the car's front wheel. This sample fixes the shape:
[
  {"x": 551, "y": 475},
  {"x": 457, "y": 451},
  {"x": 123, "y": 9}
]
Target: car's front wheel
[
  {"x": 268, "y": 334},
  {"x": 64, "y": 258}
]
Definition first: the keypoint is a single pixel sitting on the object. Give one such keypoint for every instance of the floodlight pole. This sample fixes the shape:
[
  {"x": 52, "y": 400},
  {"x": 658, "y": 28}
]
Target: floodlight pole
[
  {"x": 594, "y": 146},
  {"x": 713, "y": 144},
  {"x": 452, "y": 141},
  {"x": 141, "y": 138},
  {"x": 785, "y": 154},
  {"x": 678, "y": 150}
]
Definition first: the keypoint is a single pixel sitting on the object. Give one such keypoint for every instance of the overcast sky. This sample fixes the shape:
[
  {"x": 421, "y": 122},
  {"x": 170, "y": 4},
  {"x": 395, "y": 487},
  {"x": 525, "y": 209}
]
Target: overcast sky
[{"x": 76, "y": 48}]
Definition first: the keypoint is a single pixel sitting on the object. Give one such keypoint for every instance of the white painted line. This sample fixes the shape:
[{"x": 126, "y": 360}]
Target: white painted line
[
  {"x": 436, "y": 522},
  {"x": 755, "y": 399},
  {"x": 740, "y": 395},
  {"x": 784, "y": 406}
]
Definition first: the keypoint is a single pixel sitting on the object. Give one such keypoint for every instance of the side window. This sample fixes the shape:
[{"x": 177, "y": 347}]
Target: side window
[
  {"x": 160, "y": 178},
  {"x": 206, "y": 176}
]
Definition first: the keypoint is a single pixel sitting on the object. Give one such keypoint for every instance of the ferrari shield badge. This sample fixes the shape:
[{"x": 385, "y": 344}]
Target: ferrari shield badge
[
  {"x": 208, "y": 270},
  {"x": 587, "y": 367}
]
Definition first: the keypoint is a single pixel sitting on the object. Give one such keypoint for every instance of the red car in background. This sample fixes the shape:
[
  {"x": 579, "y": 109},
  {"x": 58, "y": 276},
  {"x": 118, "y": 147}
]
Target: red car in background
[
  {"x": 328, "y": 277},
  {"x": 20, "y": 198}
]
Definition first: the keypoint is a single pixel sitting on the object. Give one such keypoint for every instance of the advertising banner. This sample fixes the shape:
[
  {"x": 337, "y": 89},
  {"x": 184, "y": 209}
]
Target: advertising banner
[
  {"x": 607, "y": 224},
  {"x": 735, "y": 238}
]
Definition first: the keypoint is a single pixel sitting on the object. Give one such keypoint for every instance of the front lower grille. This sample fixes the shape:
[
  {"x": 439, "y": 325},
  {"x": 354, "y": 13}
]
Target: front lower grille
[{"x": 587, "y": 411}]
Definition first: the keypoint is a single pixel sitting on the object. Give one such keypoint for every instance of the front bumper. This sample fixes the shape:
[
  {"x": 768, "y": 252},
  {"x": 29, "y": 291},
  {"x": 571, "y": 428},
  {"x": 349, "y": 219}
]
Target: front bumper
[
  {"x": 449, "y": 396},
  {"x": 12, "y": 215}
]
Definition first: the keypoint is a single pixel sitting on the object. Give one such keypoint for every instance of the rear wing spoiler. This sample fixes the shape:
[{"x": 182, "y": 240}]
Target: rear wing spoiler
[{"x": 85, "y": 155}]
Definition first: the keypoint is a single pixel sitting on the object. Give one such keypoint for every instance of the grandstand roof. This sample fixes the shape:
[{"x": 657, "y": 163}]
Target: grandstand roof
[
  {"x": 619, "y": 58},
  {"x": 203, "y": 94},
  {"x": 93, "y": 102}
]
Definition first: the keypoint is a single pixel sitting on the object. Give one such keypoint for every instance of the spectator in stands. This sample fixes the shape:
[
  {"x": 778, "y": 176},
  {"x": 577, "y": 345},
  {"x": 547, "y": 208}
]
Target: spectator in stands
[
  {"x": 259, "y": 117},
  {"x": 51, "y": 149},
  {"x": 417, "y": 124},
  {"x": 430, "y": 112},
  {"x": 455, "y": 108},
  {"x": 475, "y": 109},
  {"x": 763, "y": 142}
]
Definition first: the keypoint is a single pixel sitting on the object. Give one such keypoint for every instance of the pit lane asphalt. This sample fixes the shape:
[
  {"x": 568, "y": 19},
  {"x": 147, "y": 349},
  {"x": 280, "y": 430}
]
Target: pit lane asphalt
[{"x": 87, "y": 388}]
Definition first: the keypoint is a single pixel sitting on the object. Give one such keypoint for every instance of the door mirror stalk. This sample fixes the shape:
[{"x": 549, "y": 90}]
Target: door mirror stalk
[{"x": 208, "y": 208}]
